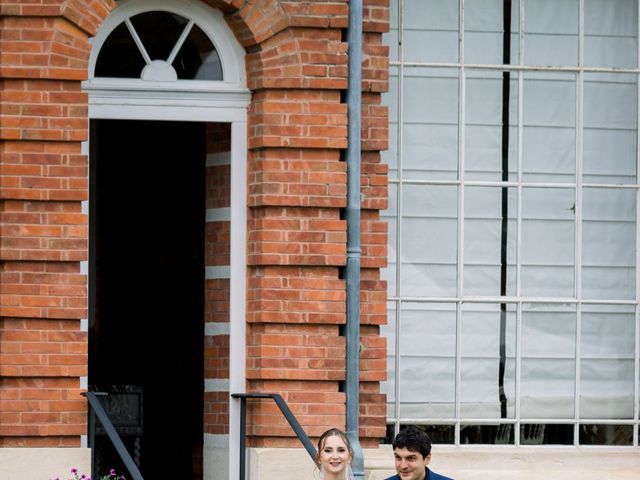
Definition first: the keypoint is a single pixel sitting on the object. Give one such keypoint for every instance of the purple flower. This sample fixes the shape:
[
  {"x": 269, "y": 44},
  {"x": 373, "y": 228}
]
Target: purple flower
[{"x": 74, "y": 470}]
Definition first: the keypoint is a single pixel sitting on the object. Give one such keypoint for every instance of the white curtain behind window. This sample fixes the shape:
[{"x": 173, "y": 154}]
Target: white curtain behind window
[{"x": 558, "y": 340}]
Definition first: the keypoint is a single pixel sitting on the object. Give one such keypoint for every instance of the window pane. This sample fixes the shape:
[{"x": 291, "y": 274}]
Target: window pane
[
  {"x": 430, "y": 124},
  {"x": 487, "y": 369},
  {"x": 486, "y": 434},
  {"x": 427, "y": 360},
  {"x": 607, "y": 367},
  {"x": 119, "y": 56},
  {"x": 548, "y": 232},
  {"x": 388, "y": 386},
  {"x": 429, "y": 240},
  {"x": 548, "y": 361},
  {"x": 610, "y": 128},
  {"x": 490, "y": 251},
  {"x": 484, "y": 32},
  {"x": 551, "y": 32},
  {"x": 546, "y": 434},
  {"x": 159, "y": 32},
  {"x": 430, "y": 31},
  {"x": 611, "y": 33},
  {"x": 549, "y": 136},
  {"x": 609, "y": 219},
  {"x": 391, "y": 38},
  {"x": 197, "y": 58},
  {"x": 594, "y": 434},
  {"x": 391, "y": 99},
  {"x": 486, "y": 103},
  {"x": 390, "y": 215}
]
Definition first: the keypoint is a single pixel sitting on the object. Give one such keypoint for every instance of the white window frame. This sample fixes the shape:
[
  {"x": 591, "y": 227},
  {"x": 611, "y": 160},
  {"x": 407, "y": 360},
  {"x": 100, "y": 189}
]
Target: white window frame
[{"x": 397, "y": 299}]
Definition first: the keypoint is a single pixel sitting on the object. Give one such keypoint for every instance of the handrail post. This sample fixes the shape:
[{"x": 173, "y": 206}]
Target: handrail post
[
  {"x": 111, "y": 432},
  {"x": 288, "y": 415},
  {"x": 92, "y": 437}
]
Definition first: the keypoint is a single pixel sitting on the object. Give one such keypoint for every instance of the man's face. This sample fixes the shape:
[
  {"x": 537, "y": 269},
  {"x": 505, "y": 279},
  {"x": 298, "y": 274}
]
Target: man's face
[{"x": 410, "y": 465}]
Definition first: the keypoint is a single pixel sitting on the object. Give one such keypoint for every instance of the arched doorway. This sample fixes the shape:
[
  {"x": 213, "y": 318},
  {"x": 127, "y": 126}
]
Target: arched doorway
[{"x": 167, "y": 103}]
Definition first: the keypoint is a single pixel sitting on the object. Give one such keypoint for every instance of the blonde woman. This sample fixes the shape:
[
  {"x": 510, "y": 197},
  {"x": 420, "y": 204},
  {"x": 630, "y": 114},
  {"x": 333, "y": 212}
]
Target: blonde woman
[{"x": 334, "y": 455}]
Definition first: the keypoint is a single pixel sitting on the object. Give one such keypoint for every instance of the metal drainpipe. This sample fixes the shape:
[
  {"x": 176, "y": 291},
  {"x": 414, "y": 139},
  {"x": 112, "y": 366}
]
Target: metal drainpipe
[{"x": 352, "y": 274}]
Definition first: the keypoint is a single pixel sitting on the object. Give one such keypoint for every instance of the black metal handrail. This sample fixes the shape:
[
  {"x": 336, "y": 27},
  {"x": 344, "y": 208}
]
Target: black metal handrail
[
  {"x": 97, "y": 410},
  {"x": 288, "y": 415}
]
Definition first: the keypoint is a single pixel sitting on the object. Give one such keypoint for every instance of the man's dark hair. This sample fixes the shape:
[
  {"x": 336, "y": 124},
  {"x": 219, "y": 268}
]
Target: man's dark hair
[{"x": 413, "y": 439}]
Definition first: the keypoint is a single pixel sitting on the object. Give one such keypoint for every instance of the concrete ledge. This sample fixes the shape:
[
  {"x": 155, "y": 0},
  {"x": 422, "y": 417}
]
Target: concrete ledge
[
  {"x": 467, "y": 463},
  {"x": 43, "y": 463}
]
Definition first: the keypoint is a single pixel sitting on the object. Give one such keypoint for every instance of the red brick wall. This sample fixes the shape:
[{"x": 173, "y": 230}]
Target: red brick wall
[
  {"x": 297, "y": 237},
  {"x": 43, "y": 233},
  {"x": 296, "y": 69}
]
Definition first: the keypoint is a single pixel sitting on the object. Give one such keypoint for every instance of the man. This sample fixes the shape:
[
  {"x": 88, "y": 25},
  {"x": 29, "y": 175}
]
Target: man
[{"x": 412, "y": 451}]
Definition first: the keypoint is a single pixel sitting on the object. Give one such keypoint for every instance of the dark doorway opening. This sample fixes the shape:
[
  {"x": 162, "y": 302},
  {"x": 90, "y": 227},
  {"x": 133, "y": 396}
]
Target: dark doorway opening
[{"x": 146, "y": 275}]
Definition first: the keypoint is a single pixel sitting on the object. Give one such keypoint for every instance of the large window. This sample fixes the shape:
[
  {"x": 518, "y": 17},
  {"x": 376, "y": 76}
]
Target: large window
[{"x": 513, "y": 221}]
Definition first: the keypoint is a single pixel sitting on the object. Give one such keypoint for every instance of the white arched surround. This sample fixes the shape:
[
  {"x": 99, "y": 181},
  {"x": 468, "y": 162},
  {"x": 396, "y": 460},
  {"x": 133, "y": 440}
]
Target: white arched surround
[{"x": 194, "y": 100}]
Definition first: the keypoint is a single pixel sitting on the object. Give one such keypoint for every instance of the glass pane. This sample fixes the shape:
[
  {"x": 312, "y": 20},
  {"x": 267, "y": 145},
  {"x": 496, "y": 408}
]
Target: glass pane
[
  {"x": 610, "y": 128},
  {"x": 390, "y": 215},
  {"x": 391, "y": 100},
  {"x": 486, "y": 434},
  {"x": 607, "y": 367},
  {"x": 548, "y": 235},
  {"x": 388, "y": 386},
  {"x": 491, "y": 121},
  {"x": 490, "y": 249},
  {"x": 611, "y": 33},
  {"x": 487, "y": 369},
  {"x": 549, "y": 136},
  {"x": 429, "y": 240},
  {"x": 430, "y": 124},
  {"x": 546, "y": 434},
  {"x": 440, "y": 434},
  {"x": 197, "y": 58},
  {"x": 548, "y": 363},
  {"x": 119, "y": 56},
  {"x": 594, "y": 434},
  {"x": 427, "y": 360},
  {"x": 609, "y": 243},
  {"x": 551, "y": 32},
  {"x": 430, "y": 31},
  {"x": 485, "y": 38},
  {"x": 159, "y": 32},
  {"x": 391, "y": 38}
]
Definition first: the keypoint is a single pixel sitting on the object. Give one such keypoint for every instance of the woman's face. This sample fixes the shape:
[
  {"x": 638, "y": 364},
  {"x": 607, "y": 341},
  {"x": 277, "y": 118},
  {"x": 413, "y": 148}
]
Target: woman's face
[{"x": 334, "y": 456}]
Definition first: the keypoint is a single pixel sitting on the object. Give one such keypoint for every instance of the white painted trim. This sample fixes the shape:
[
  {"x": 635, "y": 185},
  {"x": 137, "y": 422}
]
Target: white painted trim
[
  {"x": 217, "y": 273},
  {"x": 227, "y": 101},
  {"x": 216, "y": 328},
  {"x": 237, "y": 345},
  {"x": 124, "y": 108},
  {"x": 216, "y": 385},
  {"x": 218, "y": 214},
  {"x": 218, "y": 159},
  {"x": 217, "y": 441}
]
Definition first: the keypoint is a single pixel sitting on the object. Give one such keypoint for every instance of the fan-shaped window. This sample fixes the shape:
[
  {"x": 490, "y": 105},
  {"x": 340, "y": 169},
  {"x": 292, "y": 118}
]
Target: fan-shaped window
[{"x": 159, "y": 46}]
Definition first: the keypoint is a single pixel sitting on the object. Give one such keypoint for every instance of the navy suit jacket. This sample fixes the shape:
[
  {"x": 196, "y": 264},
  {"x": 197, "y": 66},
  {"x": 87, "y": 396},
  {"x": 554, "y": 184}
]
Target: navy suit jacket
[{"x": 430, "y": 476}]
